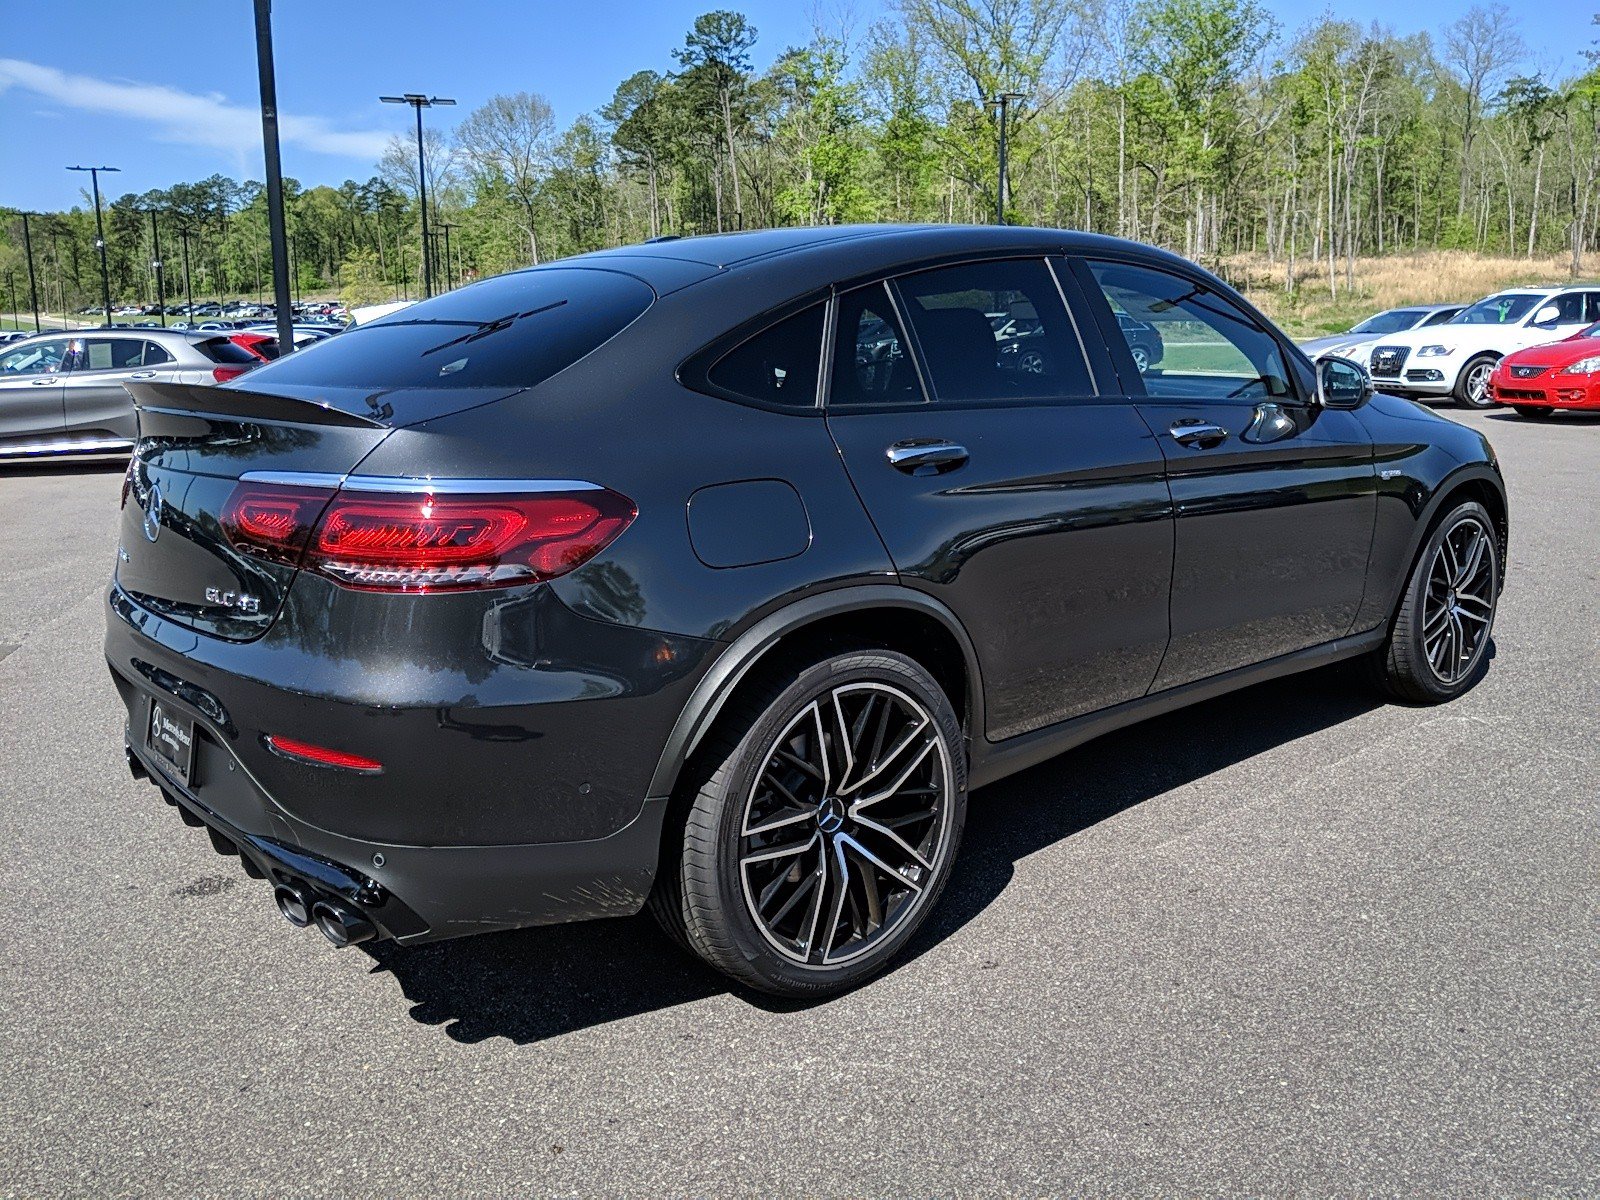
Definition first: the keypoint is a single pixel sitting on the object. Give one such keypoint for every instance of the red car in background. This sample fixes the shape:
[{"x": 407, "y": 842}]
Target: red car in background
[{"x": 1542, "y": 379}]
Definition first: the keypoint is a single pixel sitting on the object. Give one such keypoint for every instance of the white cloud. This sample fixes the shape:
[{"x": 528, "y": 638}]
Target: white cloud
[{"x": 185, "y": 117}]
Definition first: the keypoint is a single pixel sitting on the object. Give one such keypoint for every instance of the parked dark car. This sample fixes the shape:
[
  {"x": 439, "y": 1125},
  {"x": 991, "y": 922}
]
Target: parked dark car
[
  {"x": 712, "y": 574},
  {"x": 1144, "y": 342}
]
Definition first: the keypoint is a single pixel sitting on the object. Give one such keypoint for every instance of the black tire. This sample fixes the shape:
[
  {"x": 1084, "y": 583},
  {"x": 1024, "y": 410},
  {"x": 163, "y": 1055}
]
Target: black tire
[
  {"x": 1408, "y": 666},
  {"x": 1533, "y": 412},
  {"x": 1472, "y": 385},
  {"x": 712, "y": 870}
]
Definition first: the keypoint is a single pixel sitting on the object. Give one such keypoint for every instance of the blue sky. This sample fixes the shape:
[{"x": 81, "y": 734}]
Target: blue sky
[{"x": 167, "y": 91}]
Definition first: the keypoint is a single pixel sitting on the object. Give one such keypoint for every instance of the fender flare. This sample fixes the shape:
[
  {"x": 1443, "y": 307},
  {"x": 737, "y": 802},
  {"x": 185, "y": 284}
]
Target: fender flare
[
  {"x": 746, "y": 651},
  {"x": 1466, "y": 473}
]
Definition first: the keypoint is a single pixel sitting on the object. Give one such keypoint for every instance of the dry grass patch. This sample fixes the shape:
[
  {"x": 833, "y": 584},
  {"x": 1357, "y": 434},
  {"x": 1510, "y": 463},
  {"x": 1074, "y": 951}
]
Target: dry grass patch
[{"x": 1427, "y": 277}]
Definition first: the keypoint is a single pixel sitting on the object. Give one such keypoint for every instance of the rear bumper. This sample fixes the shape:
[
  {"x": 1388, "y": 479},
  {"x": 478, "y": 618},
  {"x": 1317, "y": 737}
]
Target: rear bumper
[
  {"x": 517, "y": 760},
  {"x": 420, "y": 894}
]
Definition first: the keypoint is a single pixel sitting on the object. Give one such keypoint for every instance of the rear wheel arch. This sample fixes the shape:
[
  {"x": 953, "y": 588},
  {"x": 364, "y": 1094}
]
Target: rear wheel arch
[{"x": 874, "y": 616}]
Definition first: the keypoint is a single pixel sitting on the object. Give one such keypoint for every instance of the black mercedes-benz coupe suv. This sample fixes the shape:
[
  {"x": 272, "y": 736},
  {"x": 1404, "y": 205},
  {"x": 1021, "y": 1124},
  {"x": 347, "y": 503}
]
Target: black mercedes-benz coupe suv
[{"x": 712, "y": 574}]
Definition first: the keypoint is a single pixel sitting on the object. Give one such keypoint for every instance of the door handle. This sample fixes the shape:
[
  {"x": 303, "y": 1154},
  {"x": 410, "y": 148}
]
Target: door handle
[
  {"x": 926, "y": 456},
  {"x": 1197, "y": 434},
  {"x": 44, "y": 382},
  {"x": 142, "y": 375}
]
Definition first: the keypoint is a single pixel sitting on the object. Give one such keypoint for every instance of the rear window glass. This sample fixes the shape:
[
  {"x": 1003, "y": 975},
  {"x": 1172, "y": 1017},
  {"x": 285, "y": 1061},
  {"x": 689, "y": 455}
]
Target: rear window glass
[
  {"x": 514, "y": 331},
  {"x": 223, "y": 351},
  {"x": 778, "y": 365}
]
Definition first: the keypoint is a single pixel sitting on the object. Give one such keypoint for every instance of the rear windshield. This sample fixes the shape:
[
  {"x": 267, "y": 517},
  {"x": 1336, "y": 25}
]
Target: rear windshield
[
  {"x": 513, "y": 331},
  {"x": 221, "y": 350}
]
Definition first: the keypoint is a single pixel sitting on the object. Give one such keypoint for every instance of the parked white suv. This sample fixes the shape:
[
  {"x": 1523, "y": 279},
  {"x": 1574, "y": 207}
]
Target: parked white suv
[{"x": 1456, "y": 358}]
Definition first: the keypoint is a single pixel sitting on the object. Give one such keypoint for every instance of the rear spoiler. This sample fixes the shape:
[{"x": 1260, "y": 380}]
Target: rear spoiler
[{"x": 241, "y": 404}]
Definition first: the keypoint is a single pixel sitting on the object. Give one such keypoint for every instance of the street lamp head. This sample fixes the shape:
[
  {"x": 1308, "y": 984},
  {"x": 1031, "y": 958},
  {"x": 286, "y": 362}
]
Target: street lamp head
[{"x": 416, "y": 100}]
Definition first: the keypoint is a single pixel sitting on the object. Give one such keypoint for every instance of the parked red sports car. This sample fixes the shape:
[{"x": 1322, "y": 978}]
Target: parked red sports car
[{"x": 1541, "y": 379}]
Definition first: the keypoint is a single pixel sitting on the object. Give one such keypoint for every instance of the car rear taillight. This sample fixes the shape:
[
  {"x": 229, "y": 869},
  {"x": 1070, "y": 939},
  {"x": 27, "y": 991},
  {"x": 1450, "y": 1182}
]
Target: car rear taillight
[
  {"x": 273, "y": 521},
  {"x": 223, "y": 374},
  {"x": 426, "y": 542}
]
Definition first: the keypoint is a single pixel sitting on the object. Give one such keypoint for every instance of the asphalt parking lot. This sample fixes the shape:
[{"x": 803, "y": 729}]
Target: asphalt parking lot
[{"x": 1290, "y": 940}]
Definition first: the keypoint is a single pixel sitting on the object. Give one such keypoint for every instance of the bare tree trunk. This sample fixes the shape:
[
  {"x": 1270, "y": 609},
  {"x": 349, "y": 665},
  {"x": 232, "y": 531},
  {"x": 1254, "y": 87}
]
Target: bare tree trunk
[{"x": 1533, "y": 211}]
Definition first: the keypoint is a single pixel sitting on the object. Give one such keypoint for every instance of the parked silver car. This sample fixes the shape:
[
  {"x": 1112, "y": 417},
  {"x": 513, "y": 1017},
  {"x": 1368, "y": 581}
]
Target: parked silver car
[
  {"x": 1359, "y": 339},
  {"x": 63, "y": 393}
]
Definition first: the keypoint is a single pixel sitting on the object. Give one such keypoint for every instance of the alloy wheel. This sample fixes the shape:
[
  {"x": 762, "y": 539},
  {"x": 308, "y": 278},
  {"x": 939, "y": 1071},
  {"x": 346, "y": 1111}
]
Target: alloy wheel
[
  {"x": 846, "y": 825},
  {"x": 1141, "y": 359},
  {"x": 1478, "y": 382},
  {"x": 1458, "y": 606}
]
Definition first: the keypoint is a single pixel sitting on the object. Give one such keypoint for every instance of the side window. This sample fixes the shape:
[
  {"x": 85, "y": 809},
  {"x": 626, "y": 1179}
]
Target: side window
[
  {"x": 994, "y": 331},
  {"x": 1440, "y": 317},
  {"x": 870, "y": 365},
  {"x": 1187, "y": 341},
  {"x": 779, "y": 365},
  {"x": 1591, "y": 307},
  {"x": 1570, "y": 307},
  {"x": 34, "y": 358},
  {"x": 102, "y": 354},
  {"x": 154, "y": 354}
]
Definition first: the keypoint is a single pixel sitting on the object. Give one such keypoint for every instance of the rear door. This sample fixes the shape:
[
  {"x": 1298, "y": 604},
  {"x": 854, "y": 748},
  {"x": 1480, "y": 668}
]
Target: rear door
[
  {"x": 1275, "y": 497},
  {"x": 1002, "y": 485},
  {"x": 96, "y": 404},
  {"x": 30, "y": 391}
]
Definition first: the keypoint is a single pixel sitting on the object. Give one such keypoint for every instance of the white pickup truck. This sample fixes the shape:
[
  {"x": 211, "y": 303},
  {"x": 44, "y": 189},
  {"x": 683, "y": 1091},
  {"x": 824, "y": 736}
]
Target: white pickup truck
[{"x": 1456, "y": 359}]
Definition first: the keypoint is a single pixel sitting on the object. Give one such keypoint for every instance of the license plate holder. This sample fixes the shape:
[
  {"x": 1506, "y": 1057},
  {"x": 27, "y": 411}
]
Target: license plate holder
[{"x": 169, "y": 736}]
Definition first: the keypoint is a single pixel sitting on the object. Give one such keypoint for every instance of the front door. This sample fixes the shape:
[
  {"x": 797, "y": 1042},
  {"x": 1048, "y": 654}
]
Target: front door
[
  {"x": 1275, "y": 497},
  {"x": 1003, "y": 486},
  {"x": 30, "y": 391}
]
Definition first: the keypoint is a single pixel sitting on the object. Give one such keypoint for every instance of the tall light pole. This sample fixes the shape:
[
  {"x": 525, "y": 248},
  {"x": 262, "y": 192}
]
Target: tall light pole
[
  {"x": 269, "y": 142},
  {"x": 1003, "y": 101},
  {"x": 100, "y": 235},
  {"x": 33, "y": 281},
  {"x": 161, "y": 280},
  {"x": 449, "y": 271},
  {"x": 188, "y": 290},
  {"x": 420, "y": 102}
]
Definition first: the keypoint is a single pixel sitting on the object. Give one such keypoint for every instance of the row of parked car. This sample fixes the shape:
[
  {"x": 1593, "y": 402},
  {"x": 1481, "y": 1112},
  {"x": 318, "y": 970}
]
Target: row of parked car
[
  {"x": 310, "y": 310},
  {"x": 1536, "y": 349}
]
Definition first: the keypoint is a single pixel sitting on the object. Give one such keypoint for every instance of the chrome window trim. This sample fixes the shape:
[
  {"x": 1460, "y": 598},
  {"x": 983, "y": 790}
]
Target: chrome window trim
[{"x": 416, "y": 486}]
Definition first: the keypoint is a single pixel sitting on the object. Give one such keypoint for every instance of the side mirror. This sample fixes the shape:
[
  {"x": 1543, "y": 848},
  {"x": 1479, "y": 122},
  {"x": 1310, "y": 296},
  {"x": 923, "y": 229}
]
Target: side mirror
[
  {"x": 1342, "y": 383},
  {"x": 1550, "y": 314}
]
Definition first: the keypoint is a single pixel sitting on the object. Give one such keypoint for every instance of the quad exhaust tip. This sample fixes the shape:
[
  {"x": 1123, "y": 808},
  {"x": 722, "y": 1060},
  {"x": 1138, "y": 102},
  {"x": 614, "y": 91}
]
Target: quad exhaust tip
[
  {"x": 294, "y": 902},
  {"x": 341, "y": 924}
]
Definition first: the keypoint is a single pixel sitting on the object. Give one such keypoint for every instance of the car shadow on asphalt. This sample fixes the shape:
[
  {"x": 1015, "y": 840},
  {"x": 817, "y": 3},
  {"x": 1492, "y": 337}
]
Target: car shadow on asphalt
[
  {"x": 1567, "y": 417},
  {"x": 534, "y": 984},
  {"x": 65, "y": 466}
]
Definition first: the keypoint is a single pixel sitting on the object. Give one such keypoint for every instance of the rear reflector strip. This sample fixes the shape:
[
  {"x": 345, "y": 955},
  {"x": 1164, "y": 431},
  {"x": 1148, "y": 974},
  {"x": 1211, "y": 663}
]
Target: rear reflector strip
[{"x": 320, "y": 755}]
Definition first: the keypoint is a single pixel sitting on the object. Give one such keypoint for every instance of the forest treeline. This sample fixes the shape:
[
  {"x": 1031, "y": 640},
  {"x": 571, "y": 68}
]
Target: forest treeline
[{"x": 1200, "y": 125}]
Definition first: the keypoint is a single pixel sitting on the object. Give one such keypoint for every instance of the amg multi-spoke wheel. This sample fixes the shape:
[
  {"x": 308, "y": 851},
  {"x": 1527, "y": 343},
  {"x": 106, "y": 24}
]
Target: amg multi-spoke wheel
[
  {"x": 823, "y": 831},
  {"x": 1440, "y": 642}
]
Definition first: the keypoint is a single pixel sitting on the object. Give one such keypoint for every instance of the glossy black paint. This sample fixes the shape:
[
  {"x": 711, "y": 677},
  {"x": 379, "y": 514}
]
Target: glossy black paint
[{"x": 1085, "y": 567}]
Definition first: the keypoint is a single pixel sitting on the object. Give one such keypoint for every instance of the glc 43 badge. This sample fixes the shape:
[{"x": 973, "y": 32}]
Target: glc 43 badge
[{"x": 238, "y": 600}]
